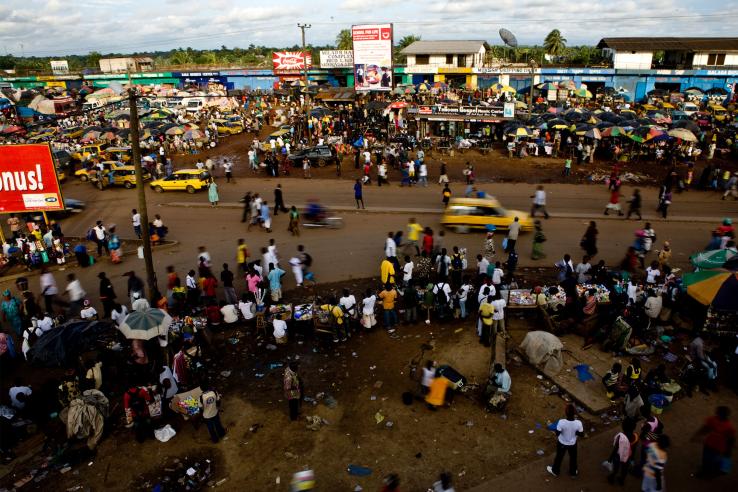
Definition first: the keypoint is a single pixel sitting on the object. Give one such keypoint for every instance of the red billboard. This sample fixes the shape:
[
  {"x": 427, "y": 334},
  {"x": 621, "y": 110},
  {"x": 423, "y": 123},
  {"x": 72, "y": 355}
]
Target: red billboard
[
  {"x": 28, "y": 180},
  {"x": 291, "y": 61}
]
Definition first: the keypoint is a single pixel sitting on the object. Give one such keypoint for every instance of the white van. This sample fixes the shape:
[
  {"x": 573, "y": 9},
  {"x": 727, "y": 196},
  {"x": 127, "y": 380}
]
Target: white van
[
  {"x": 690, "y": 108},
  {"x": 193, "y": 104}
]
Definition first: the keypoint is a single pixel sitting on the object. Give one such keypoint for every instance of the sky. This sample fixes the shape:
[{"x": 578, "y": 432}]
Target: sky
[{"x": 61, "y": 27}]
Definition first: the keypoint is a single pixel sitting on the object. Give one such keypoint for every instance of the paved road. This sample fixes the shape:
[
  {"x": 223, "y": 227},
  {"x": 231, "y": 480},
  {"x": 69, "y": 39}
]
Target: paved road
[{"x": 355, "y": 250}]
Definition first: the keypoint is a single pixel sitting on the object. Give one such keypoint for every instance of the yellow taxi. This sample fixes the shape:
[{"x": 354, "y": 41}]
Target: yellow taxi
[
  {"x": 465, "y": 214},
  {"x": 84, "y": 174},
  {"x": 718, "y": 112},
  {"x": 61, "y": 176},
  {"x": 122, "y": 176},
  {"x": 122, "y": 154},
  {"x": 88, "y": 151},
  {"x": 189, "y": 180},
  {"x": 74, "y": 132},
  {"x": 226, "y": 127}
]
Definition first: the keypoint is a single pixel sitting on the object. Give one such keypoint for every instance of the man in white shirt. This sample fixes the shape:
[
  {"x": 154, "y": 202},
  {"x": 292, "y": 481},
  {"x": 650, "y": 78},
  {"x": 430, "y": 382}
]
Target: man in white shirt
[
  {"x": 539, "y": 202},
  {"x": 136, "y": 221},
  {"x": 390, "y": 248},
  {"x": 407, "y": 270},
  {"x": 497, "y": 275},
  {"x": 100, "y": 238},
  {"x": 482, "y": 265},
  {"x": 512, "y": 234},
  {"x": 498, "y": 317},
  {"x": 653, "y": 273},
  {"x": 348, "y": 305},
  {"x": 75, "y": 292},
  {"x": 247, "y": 307},
  {"x": 48, "y": 289},
  {"x": 367, "y": 157},
  {"x": 230, "y": 313},
  {"x": 280, "y": 330},
  {"x": 567, "y": 432},
  {"x": 582, "y": 270},
  {"x": 88, "y": 312},
  {"x": 423, "y": 174}
]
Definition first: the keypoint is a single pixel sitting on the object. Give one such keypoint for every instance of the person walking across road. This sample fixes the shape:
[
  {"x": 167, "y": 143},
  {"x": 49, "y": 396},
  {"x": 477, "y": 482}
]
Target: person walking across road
[
  {"x": 512, "y": 235},
  {"x": 539, "y": 202},
  {"x": 278, "y": 200},
  {"x": 358, "y": 194},
  {"x": 136, "y": 221}
]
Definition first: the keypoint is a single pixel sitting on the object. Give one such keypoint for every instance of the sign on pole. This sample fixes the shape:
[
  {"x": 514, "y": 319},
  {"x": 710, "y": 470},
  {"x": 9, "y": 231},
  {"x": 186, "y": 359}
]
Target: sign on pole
[
  {"x": 291, "y": 61},
  {"x": 28, "y": 181},
  {"x": 336, "y": 59},
  {"x": 372, "y": 57}
]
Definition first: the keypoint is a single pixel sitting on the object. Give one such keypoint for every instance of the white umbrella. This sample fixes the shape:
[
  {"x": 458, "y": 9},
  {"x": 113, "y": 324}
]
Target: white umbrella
[{"x": 145, "y": 325}]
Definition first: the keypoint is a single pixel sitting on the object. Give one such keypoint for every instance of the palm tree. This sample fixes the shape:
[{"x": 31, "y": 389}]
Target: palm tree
[
  {"x": 344, "y": 40},
  {"x": 554, "y": 43},
  {"x": 402, "y": 44}
]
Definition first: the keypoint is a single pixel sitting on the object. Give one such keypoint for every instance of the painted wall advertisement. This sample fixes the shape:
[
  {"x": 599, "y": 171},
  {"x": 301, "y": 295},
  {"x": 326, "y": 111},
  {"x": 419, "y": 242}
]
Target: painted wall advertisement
[
  {"x": 28, "y": 179},
  {"x": 291, "y": 61},
  {"x": 336, "y": 59},
  {"x": 372, "y": 57}
]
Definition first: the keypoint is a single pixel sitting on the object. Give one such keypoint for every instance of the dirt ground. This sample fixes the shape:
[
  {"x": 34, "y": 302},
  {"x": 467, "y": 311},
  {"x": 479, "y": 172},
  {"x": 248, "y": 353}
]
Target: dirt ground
[
  {"x": 365, "y": 376},
  {"x": 494, "y": 166}
]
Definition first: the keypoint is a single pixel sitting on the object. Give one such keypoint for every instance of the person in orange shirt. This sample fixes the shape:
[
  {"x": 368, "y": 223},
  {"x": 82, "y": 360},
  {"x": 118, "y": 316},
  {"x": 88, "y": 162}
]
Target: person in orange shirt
[{"x": 388, "y": 296}]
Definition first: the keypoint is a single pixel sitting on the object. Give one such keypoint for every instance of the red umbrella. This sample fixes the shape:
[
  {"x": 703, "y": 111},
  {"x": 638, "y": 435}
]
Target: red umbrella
[
  {"x": 12, "y": 129},
  {"x": 398, "y": 105}
]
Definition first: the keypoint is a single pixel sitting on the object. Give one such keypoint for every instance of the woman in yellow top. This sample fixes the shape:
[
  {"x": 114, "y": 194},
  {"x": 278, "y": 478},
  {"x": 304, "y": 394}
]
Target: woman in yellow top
[
  {"x": 242, "y": 255},
  {"x": 339, "y": 330}
]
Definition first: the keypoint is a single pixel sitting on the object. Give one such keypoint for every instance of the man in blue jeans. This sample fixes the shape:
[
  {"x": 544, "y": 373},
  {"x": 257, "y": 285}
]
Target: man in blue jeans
[
  {"x": 209, "y": 403},
  {"x": 389, "y": 296},
  {"x": 567, "y": 432}
]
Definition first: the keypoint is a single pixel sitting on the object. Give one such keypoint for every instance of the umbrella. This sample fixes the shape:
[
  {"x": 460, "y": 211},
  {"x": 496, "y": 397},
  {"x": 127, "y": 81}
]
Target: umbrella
[
  {"x": 398, "y": 105},
  {"x": 175, "y": 130},
  {"x": 145, "y": 325},
  {"x": 320, "y": 112},
  {"x": 410, "y": 90},
  {"x": 687, "y": 125},
  {"x": 628, "y": 114},
  {"x": 108, "y": 136},
  {"x": 694, "y": 90},
  {"x": 12, "y": 129},
  {"x": 422, "y": 87},
  {"x": 92, "y": 135},
  {"x": 557, "y": 124},
  {"x": 63, "y": 344},
  {"x": 567, "y": 84},
  {"x": 717, "y": 91},
  {"x": 547, "y": 86},
  {"x": 716, "y": 288},
  {"x": 593, "y": 133},
  {"x": 716, "y": 258},
  {"x": 654, "y": 132},
  {"x": 192, "y": 135},
  {"x": 582, "y": 92},
  {"x": 614, "y": 131},
  {"x": 520, "y": 131},
  {"x": 682, "y": 133}
]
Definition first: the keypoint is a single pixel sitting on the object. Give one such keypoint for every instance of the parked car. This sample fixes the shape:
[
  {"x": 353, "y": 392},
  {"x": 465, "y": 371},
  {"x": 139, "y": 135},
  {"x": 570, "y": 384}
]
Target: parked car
[
  {"x": 84, "y": 174},
  {"x": 319, "y": 155},
  {"x": 122, "y": 176}
]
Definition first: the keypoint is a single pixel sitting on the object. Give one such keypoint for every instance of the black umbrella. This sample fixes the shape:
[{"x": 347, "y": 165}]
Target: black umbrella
[
  {"x": 717, "y": 91},
  {"x": 690, "y": 125},
  {"x": 609, "y": 91},
  {"x": 628, "y": 115},
  {"x": 604, "y": 124},
  {"x": 63, "y": 344},
  {"x": 658, "y": 93},
  {"x": 608, "y": 116}
]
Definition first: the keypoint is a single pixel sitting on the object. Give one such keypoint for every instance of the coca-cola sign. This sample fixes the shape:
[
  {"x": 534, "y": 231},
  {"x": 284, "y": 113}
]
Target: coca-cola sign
[{"x": 291, "y": 61}]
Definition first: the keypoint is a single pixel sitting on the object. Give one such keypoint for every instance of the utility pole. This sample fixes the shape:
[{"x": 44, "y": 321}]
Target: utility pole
[
  {"x": 136, "y": 151},
  {"x": 305, "y": 77}
]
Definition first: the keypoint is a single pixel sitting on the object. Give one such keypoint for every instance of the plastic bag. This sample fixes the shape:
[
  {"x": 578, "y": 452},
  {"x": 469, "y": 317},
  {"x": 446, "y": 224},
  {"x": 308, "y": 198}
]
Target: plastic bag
[{"x": 165, "y": 433}]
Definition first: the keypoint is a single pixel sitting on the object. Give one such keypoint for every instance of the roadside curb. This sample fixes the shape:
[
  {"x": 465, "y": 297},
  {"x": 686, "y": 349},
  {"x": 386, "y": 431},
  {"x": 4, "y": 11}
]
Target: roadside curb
[
  {"x": 72, "y": 264},
  {"x": 427, "y": 211}
]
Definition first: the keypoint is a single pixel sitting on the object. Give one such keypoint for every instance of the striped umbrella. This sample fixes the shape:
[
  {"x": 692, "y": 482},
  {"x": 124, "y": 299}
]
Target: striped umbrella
[
  {"x": 145, "y": 325},
  {"x": 614, "y": 131},
  {"x": 716, "y": 288}
]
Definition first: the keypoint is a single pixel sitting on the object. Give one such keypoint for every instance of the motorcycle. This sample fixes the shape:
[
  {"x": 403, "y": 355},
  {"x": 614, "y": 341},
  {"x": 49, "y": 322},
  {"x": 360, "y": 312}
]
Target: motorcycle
[{"x": 317, "y": 216}]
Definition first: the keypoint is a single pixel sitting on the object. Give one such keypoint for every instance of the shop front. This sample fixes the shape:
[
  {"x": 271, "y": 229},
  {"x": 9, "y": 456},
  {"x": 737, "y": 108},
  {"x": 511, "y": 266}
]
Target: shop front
[{"x": 457, "y": 121}]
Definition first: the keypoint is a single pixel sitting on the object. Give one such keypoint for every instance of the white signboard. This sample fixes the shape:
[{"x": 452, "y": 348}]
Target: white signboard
[
  {"x": 372, "y": 57},
  {"x": 336, "y": 59},
  {"x": 59, "y": 67},
  {"x": 509, "y": 110}
]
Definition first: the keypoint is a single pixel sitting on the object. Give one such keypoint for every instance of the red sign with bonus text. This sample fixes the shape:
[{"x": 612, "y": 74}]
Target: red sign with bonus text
[{"x": 28, "y": 180}]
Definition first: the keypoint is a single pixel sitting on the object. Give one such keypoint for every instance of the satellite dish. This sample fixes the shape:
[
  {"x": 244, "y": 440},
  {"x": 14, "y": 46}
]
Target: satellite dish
[{"x": 508, "y": 38}]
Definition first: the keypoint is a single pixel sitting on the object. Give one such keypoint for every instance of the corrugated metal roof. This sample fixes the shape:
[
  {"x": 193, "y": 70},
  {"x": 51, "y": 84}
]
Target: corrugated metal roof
[
  {"x": 443, "y": 47},
  {"x": 669, "y": 44}
]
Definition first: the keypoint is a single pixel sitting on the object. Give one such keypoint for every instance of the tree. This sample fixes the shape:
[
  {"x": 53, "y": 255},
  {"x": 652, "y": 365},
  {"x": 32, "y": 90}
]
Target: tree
[
  {"x": 93, "y": 60},
  {"x": 555, "y": 43},
  {"x": 402, "y": 44},
  {"x": 344, "y": 40}
]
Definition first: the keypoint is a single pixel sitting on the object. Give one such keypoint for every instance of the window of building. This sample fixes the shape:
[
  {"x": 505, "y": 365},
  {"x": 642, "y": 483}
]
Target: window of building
[
  {"x": 461, "y": 59},
  {"x": 716, "y": 59},
  {"x": 449, "y": 59},
  {"x": 422, "y": 59}
]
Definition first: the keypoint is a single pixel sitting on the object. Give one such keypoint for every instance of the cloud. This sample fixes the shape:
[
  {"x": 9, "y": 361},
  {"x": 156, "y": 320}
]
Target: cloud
[{"x": 367, "y": 5}]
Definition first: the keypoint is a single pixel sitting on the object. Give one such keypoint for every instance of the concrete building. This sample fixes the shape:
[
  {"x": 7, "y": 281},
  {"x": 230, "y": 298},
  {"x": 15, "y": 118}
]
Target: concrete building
[
  {"x": 673, "y": 53},
  {"x": 120, "y": 65},
  {"x": 446, "y": 60}
]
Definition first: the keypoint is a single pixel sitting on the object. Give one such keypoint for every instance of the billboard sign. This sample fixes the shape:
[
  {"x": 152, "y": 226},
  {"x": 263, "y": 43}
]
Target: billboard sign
[
  {"x": 59, "y": 67},
  {"x": 291, "y": 61},
  {"x": 28, "y": 181},
  {"x": 336, "y": 59},
  {"x": 372, "y": 57}
]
